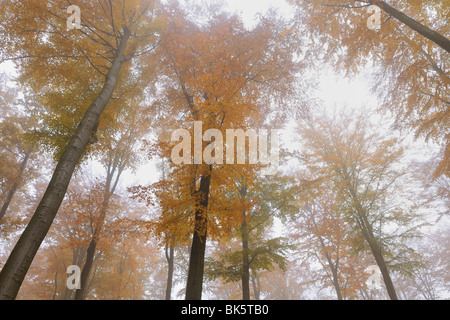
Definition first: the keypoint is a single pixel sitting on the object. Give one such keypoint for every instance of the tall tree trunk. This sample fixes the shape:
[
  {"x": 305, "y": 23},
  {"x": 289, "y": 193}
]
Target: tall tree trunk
[
  {"x": 245, "y": 276},
  {"x": 15, "y": 186},
  {"x": 334, "y": 271},
  {"x": 367, "y": 231},
  {"x": 115, "y": 166},
  {"x": 334, "y": 267},
  {"x": 376, "y": 251},
  {"x": 110, "y": 188},
  {"x": 256, "y": 286},
  {"x": 170, "y": 265},
  {"x": 379, "y": 259},
  {"x": 80, "y": 294},
  {"x": 18, "y": 263},
  {"x": 434, "y": 36},
  {"x": 337, "y": 288},
  {"x": 194, "y": 284},
  {"x": 77, "y": 259},
  {"x": 245, "y": 260},
  {"x": 378, "y": 255},
  {"x": 8, "y": 199},
  {"x": 55, "y": 291},
  {"x": 169, "y": 250}
]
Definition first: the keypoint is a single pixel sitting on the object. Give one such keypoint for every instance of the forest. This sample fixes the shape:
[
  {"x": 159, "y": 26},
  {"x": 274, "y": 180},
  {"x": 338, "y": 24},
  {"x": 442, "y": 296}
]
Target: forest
[{"x": 224, "y": 150}]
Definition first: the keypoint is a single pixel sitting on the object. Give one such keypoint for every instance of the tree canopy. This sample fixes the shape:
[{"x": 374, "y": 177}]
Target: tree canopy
[{"x": 176, "y": 150}]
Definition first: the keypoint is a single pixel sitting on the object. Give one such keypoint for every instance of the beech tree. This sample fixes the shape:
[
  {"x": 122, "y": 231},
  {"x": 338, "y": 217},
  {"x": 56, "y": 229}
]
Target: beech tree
[
  {"x": 17, "y": 151},
  {"x": 410, "y": 52},
  {"x": 112, "y": 33},
  {"x": 224, "y": 76},
  {"x": 322, "y": 234},
  {"x": 362, "y": 167},
  {"x": 122, "y": 264},
  {"x": 260, "y": 255},
  {"x": 260, "y": 202},
  {"x": 118, "y": 154}
]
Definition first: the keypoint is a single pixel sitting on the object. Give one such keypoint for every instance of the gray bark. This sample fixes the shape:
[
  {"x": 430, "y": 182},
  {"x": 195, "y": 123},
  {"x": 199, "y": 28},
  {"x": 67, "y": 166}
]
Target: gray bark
[
  {"x": 15, "y": 185},
  {"x": 197, "y": 258},
  {"x": 18, "y": 263},
  {"x": 170, "y": 268},
  {"x": 434, "y": 36}
]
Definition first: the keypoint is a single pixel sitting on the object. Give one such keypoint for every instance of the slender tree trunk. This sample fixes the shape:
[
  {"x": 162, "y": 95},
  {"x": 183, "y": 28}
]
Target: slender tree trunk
[
  {"x": 367, "y": 231},
  {"x": 197, "y": 258},
  {"x": 434, "y": 36},
  {"x": 18, "y": 263},
  {"x": 378, "y": 255},
  {"x": 8, "y": 200},
  {"x": 375, "y": 248},
  {"x": 245, "y": 277},
  {"x": 334, "y": 271},
  {"x": 55, "y": 291},
  {"x": 80, "y": 294},
  {"x": 170, "y": 265},
  {"x": 245, "y": 261},
  {"x": 114, "y": 165},
  {"x": 67, "y": 294},
  {"x": 77, "y": 259},
  {"x": 336, "y": 284},
  {"x": 376, "y": 251},
  {"x": 334, "y": 267},
  {"x": 256, "y": 286},
  {"x": 379, "y": 259},
  {"x": 15, "y": 186},
  {"x": 169, "y": 249}
]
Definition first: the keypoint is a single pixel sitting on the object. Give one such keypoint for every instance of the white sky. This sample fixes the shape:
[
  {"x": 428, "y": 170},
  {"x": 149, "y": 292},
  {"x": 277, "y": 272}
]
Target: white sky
[{"x": 248, "y": 9}]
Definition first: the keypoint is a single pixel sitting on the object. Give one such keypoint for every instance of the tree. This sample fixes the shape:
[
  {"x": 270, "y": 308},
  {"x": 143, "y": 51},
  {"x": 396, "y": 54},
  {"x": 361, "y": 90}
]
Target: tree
[
  {"x": 226, "y": 77},
  {"x": 113, "y": 34},
  {"x": 262, "y": 255},
  {"x": 118, "y": 155},
  {"x": 322, "y": 234},
  {"x": 259, "y": 202},
  {"x": 362, "y": 168},
  {"x": 410, "y": 67},
  {"x": 124, "y": 258},
  {"x": 167, "y": 234},
  {"x": 436, "y": 190},
  {"x": 431, "y": 281},
  {"x": 17, "y": 152}
]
